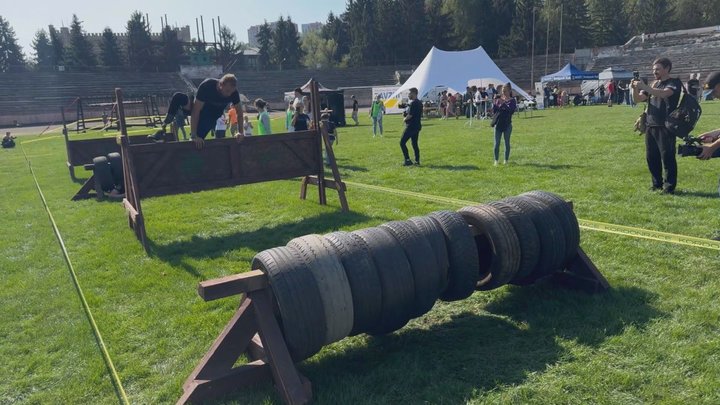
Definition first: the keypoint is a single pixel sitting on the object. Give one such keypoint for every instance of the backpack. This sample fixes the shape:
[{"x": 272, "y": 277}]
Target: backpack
[{"x": 682, "y": 120}]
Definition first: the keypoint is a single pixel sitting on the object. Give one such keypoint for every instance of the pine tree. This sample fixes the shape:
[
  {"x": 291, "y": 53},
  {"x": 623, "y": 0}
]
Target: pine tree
[
  {"x": 43, "y": 51},
  {"x": 110, "y": 54},
  {"x": 294, "y": 52},
  {"x": 652, "y": 16},
  {"x": 229, "y": 46},
  {"x": 58, "y": 48},
  {"x": 519, "y": 41},
  {"x": 172, "y": 51},
  {"x": 265, "y": 39},
  {"x": 439, "y": 25},
  {"x": 11, "y": 56},
  {"x": 608, "y": 22},
  {"x": 689, "y": 13},
  {"x": 336, "y": 28},
  {"x": 80, "y": 52},
  {"x": 140, "y": 55}
]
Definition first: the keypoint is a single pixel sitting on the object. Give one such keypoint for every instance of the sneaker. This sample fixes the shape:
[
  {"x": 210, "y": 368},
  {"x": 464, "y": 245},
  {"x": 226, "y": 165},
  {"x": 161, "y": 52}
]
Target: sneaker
[
  {"x": 408, "y": 163},
  {"x": 496, "y": 163},
  {"x": 668, "y": 191},
  {"x": 504, "y": 162}
]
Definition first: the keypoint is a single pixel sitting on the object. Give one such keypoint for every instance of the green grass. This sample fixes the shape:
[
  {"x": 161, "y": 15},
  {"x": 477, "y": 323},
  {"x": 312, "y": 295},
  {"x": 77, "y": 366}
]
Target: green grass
[{"x": 652, "y": 339}]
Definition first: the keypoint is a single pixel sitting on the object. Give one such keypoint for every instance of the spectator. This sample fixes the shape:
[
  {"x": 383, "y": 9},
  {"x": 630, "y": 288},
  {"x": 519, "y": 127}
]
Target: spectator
[
  {"x": 663, "y": 96},
  {"x": 298, "y": 97},
  {"x": 289, "y": 114},
  {"x": 412, "y": 127},
  {"x": 8, "y": 141},
  {"x": 264, "y": 127},
  {"x": 212, "y": 97},
  {"x": 300, "y": 121},
  {"x": 546, "y": 95},
  {"x": 232, "y": 119},
  {"x": 355, "y": 110},
  {"x": 247, "y": 126},
  {"x": 693, "y": 85},
  {"x": 220, "y": 127},
  {"x": 712, "y": 90},
  {"x": 377, "y": 110},
  {"x": 601, "y": 90},
  {"x": 504, "y": 107},
  {"x": 467, "y": 101},
  {"x": 611, "y": 93},
  {"x": 451, "y": 106}
]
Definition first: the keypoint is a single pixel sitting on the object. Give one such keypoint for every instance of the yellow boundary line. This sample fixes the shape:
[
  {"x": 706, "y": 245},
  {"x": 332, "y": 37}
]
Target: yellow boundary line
[
  {"x": 629, "y": 231},
  {"x": 122, "y": 396}
]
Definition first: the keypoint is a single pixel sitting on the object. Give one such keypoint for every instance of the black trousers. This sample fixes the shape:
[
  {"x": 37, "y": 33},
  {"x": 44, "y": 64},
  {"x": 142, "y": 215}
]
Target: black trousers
[
  {"x": 659, "y": 152},
  {"x": 177, "y": 101},
  {"x": 412, "y": 134}
]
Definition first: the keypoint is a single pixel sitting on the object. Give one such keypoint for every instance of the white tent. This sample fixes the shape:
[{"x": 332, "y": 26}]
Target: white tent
[{"x": 456, "y": 70}]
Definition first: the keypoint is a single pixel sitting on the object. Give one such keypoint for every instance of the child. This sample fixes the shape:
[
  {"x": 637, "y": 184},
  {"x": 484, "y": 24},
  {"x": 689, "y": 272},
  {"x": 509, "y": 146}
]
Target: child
[
  {"x": 8, "y": 141},
  {"x": 289, "y": 118},
  {"x": 332, "y": 133},
  {"x": 300, "y": 121},
  {"x": 247, "y": 126},
  {"x": 263, "y": 117},
  {"x": 220, "y": 127}
]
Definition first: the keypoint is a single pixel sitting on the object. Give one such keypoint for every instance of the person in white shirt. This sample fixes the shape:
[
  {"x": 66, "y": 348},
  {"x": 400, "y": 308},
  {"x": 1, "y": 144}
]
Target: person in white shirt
[{"x": 220, "y": 127}]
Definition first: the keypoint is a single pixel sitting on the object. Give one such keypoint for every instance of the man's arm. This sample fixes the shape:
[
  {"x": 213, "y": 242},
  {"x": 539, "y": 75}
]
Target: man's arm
[
  {"x": 195, "y": 117},
  {"x": 709, "y": 150}
]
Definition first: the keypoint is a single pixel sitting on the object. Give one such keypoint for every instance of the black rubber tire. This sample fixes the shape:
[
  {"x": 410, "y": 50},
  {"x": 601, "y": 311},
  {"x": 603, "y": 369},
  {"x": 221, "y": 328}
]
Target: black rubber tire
[
  {"x": 527, "y": 237},
  {"x": 116, "y": 168},
  {"x": 430, "y": 229},
  {"x": 497, "y": 245},
  {"x": 567, "y": 218},
  {"x": 302, "y": 317},
  {"x": 550, "y": 234},
  {"x": 363, "y": 278},
  {"x": 462, "y": 255},
  {"x": 103, "y": 176},
  {"x": 324, "y": 263},
  {"x": 426, "y": 274},
  {"x": 396, "y": 278}
]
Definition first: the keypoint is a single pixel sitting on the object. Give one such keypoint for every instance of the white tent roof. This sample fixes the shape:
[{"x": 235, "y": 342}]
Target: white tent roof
[{"x": 456, "y": 70}]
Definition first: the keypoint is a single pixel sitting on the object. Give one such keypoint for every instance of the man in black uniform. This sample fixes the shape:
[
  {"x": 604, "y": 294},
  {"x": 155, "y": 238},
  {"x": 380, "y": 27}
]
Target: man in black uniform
[
  {"x": 212, "y": 97},
  {"x": 412, "y": 127},
  {"x": 664, "y": 95},
  {"x": 180, "y": 107}
]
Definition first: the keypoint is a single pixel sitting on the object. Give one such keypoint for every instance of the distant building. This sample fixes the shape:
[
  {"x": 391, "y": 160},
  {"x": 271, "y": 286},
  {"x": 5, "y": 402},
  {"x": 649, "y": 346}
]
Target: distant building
[
  {"x": 312, "y": 27},
  {"x": 255, "y": 29}
]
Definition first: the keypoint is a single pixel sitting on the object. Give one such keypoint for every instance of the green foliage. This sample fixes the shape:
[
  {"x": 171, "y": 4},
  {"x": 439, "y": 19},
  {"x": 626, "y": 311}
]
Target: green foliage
[
  {"x": 265, "y": 39},
  {"x": 110, "y": 54},
  {"x": 43, "y": 51},
  {"x": 11, "y": 56},
  {"x": 608, "y": 25},
  {"x": 58, "y": 48},
  {"x": 319, "y": 52},
  {"x": 80, "y": 52},
  {"x": 336, "y": 28},
  {"x": 171, "y": 51},
  {"x": 287, "y": 50},
  {"x": 140, "y": 52},
  {"x": 229, "y": 47}
]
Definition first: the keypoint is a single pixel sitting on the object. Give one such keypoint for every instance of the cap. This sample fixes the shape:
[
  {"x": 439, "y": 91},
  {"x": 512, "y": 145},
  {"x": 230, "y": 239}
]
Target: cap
[{"x": 712, "y": 80}]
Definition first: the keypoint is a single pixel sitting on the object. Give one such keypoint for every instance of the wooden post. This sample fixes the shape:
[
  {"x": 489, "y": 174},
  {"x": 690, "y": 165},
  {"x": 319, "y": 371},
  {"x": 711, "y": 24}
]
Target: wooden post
[
  {"x": 315, "y": 100},
  {"x": 67, "y": 145},
  {"x": 252, "y": 330}
]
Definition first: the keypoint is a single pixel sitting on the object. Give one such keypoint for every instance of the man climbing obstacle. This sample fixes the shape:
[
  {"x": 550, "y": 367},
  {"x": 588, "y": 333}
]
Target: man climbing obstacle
[
  {"x": 180, "y": 107},
  {"x": 212, "y": 97}
]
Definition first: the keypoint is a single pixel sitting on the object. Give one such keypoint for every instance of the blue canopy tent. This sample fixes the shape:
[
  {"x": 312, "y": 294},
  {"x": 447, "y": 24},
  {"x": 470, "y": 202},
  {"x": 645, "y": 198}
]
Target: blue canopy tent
[{"x": 569, "y": 72}]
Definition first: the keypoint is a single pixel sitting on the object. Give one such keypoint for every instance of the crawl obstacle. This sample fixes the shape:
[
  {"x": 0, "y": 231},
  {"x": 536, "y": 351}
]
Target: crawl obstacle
[
  {"x": 319, "y": 289},
  {"x": 152, "y": 170}
]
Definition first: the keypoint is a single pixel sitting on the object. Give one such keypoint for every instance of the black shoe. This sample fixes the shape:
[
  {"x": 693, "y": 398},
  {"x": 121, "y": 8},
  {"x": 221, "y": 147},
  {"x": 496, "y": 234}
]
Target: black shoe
[
  {"x": 668, "y": 191},
  {"x": 408, "y": 163},
  {"x": 417, "y": 163}
]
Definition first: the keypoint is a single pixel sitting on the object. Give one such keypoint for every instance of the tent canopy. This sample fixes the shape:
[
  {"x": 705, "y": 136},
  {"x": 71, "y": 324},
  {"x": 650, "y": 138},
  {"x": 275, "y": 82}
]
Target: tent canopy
[
  {"x": 455, "y": 70},
  {"x": 306, "y": 87},
  {"x": 613, "y": 73},
  {"x": 569, "y": 72}
]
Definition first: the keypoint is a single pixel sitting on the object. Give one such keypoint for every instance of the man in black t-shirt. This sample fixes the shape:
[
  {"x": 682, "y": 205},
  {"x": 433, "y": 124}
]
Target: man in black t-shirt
[
  {"x": 212, "y": 97},
  {"x": 663, "y": 98},
  {"x": 412, "y": 127}
]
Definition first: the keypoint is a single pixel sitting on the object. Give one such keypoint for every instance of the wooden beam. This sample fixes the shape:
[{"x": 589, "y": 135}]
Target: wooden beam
[
  {"x": 232, "y": 285},
  {"x": 200, "y": 391},
  {"x": 328, "y": 183}
]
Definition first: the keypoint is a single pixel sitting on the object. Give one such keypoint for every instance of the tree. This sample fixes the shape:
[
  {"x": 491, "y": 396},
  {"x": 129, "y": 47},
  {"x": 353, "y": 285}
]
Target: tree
[
  {"x": 265, "y": 39},
  {"x": 360, "y": 16},
  {"x": 229, "y": 46},
  {"x": 336, "y": 28},
  {"x": 519, "y": 41},
  {"x": 287, "y": 51},
  {"x": 43, "y": 51},
  {"x": 689, "y": 13},
  {"x": 11, "y": 56},
  {"x": 140, "y": 53},
  {"x": 80, "y": 52},
  {"x": 652, "y": 16},
  {"x": 608, "y": 22},
  {"x": 172, "y": 51},
  {"x": 319, "y": 52},
  {"x": 110, "y": 54},
  {"x": 439, "y": 26},
  {"x": 58, "y": 48}
]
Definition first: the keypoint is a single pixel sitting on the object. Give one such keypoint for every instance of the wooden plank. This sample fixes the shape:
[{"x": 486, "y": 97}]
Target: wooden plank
[
  {"x": 232, "y": 285},
  {"x": 286, "y": 377},
  {"x": 200, "y": 391},
  {"x": 84, "y": 192},
  {"x": 582, "y": 266},
  {"x": 328, "y": 183},
  {"x": 132, "y": 212},
  {"x": 228, "y": 346}
]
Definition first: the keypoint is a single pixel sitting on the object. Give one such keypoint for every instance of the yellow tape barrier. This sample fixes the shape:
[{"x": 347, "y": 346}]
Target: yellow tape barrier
[{"x": 584, "y": 223}]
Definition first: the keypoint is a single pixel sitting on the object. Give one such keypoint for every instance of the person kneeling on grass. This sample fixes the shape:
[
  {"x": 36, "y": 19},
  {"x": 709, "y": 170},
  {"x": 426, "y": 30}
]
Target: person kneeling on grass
[
  {"x": 8, "y": 141},
  {"x": 212, "y": 97}
]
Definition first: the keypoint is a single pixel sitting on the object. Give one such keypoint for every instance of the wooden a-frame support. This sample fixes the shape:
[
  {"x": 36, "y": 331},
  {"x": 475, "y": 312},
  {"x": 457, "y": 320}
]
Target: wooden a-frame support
[{"x": 252, "y": 331}]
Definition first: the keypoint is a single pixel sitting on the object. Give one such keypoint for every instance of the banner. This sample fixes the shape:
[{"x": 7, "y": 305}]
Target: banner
[{"x": 391, "y": 105}]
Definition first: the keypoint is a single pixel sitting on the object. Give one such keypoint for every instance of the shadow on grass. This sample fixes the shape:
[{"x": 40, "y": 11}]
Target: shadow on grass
[
  {"x": 474, "y": 353},
  {"x": 257, "y": 240},
  {"x": 352, "y": 168},
  {"x": 452, "y": 168},
  {"x": 690, "y": 193},
  {"x": 549, "y": 166}
]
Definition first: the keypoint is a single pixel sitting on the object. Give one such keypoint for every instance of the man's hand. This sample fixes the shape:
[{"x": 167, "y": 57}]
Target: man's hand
[
  {"x": 706, "y": 154},
  {"x": 708, "y": 138},
  {"x": 640, "y": 85},
  {"x": 199, "y": 142}
]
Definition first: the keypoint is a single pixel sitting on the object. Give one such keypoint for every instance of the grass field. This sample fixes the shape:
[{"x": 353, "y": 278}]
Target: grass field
[{"x": 653, "y": 338}]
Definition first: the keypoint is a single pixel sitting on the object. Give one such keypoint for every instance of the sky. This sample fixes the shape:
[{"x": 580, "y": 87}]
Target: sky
[{"x": 96, "y": 15}]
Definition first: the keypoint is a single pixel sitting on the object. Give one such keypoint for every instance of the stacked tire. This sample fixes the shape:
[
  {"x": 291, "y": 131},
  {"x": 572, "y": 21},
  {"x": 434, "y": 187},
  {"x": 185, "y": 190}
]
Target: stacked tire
[
  {"x": 375, "y": 280},
  {"x": 108, "y": 173}
]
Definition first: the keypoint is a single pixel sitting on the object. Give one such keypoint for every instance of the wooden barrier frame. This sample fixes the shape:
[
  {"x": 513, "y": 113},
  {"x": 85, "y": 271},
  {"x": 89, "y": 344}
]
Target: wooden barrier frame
[
  {"x": 254, "y": 331},
  {"x": 152, "y": 170}
]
